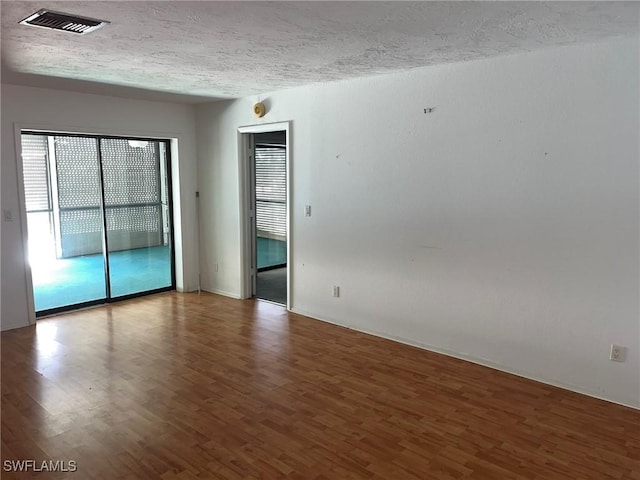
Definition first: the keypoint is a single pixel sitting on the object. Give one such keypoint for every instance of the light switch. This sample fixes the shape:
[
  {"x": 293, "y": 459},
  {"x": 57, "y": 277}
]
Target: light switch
[
  {"x": 307, "y": 210},
  {"x": 8, "y": 216}
]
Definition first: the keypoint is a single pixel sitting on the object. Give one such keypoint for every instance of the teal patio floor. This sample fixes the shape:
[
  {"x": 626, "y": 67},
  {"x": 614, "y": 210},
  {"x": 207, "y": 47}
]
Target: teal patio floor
[{"x": 70, "y": 281}]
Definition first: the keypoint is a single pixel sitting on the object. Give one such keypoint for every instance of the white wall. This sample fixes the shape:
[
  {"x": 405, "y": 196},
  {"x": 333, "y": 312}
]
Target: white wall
[
  {"x": 27, "y": 107},
  {"x": 503, "y": 227}
]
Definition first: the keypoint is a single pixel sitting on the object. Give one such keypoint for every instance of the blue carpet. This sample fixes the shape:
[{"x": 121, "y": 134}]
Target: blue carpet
[
  {"x": 69, "y": 281},
  {"x": 271, "y": 252}
]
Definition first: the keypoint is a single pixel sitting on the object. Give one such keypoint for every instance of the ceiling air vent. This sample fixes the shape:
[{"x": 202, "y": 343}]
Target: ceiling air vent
[{"x": 63, "y": 21}]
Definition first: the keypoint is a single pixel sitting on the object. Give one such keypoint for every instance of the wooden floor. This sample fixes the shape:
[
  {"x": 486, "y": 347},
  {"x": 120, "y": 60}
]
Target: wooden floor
[{"x": 181, "y": 386}]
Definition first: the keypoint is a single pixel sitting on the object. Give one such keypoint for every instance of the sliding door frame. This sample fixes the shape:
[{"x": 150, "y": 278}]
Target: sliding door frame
[{"x": 19, "y": 131}]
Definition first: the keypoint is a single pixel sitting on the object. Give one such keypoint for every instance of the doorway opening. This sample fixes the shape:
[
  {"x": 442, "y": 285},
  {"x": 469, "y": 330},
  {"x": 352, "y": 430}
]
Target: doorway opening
[
  {"x": 98, "y": 213},
  {"x": 266, "y": 212},
  {"x": 270, "y": 157}
]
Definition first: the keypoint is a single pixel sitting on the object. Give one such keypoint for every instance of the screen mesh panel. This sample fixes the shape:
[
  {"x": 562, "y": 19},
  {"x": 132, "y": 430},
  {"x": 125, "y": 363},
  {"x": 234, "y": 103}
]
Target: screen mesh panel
[
  {"x": 131, "y": 174},
  {"x": 35, "y": 172},
  {"x": 134, "y": 219},
  {"x": 74, "y": 222},
  {"x": 132, "y": 193},
  {"x": 78, "y": 175},
  {"x": 271, "y": 190}
]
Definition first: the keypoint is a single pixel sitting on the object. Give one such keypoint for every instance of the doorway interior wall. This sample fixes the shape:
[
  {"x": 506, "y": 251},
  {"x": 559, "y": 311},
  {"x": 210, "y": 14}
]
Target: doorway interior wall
[
  {"x": 265, "y": 205},
  {"x": 98, "y": 212}
]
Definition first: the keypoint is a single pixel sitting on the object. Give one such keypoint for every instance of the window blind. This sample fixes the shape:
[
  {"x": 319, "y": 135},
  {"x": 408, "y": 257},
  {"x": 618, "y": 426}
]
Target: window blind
[
  {"x": 35, "y": 172},
  {"x": 271, "y": 190}
]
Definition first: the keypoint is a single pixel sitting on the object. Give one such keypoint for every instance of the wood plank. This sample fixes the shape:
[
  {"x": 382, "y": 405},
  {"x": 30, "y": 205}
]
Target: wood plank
[{"x": 184, "y": 386}]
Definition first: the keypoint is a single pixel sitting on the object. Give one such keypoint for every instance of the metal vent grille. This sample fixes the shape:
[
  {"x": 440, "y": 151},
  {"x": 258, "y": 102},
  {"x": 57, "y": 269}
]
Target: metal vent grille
[{"x": 63, "y": 21}]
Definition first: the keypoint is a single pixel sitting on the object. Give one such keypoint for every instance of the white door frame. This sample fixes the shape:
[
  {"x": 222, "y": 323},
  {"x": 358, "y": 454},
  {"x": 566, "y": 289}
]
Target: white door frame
[{"x": 245, "y": 159}]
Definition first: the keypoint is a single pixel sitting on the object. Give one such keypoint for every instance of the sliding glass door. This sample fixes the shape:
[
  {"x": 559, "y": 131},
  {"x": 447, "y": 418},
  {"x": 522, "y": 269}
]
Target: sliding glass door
[
  {"x": 137, "y": 215},
  {"x": 99, "y": 218}
]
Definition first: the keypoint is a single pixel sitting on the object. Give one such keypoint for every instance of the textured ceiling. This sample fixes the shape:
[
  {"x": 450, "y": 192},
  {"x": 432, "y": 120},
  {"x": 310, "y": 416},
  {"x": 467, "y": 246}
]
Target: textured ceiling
[{"x": 234, "y": 49}]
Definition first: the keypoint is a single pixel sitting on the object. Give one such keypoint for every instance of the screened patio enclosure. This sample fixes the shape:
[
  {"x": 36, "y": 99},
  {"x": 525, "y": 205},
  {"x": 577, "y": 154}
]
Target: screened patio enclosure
[
  {"x": 98, "y": 218},
  {"x": 271, "y": 205}
]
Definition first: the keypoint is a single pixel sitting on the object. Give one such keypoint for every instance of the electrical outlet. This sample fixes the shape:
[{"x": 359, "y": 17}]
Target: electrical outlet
[
  {"x": 617, "y": 353},
  {"x": 336, "y": 291},
  {"x": 307, "y": 210},
  {"x": 8, "y": 216}
]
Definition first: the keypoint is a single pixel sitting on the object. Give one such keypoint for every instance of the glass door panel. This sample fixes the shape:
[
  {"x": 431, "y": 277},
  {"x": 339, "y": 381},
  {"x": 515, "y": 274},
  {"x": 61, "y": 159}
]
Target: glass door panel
[
  {"x": 136, "y": 201},
  {"x": 64, "y": 220}
]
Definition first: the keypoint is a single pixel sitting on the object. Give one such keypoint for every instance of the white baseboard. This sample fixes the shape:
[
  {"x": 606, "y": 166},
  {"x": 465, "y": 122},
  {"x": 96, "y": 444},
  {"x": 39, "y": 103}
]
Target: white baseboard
[{"x": 223, "y": 293}]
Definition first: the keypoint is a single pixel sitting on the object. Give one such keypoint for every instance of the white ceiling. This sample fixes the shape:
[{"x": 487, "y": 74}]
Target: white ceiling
[{"x": 234, "y": 49}]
